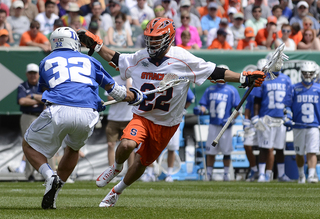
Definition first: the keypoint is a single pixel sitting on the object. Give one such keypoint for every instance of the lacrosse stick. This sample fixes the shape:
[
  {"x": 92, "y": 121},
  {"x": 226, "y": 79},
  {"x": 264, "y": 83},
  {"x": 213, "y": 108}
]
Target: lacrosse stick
[
  {"x": 305, "y": 125},
  {"x": 272, "y": 122},
  {"x": 274, "y": 64},
  {"x": 168, "y": 81}
]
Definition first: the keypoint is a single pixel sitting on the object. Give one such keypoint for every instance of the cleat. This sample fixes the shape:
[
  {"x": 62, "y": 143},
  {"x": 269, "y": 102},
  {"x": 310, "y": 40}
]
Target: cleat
[
  {"x": 226, "y": 177},
  {"x": 284, "y": 178},
  {"x": 53, "y": 186},
  {"x": 252, "y": 176},
  {"x": 302, "y": 179},
  {"x": 148, "y": 178},
  {"x": 313, "y": 179},
  {"x": 110, "y": 200},
  {"x": 169, "y": 179},
  {"x": 262, "y": 178},
  {"x": 11, "y": 169},
  {"x": 107, "y": 176},
  {"x": 209, "y": 177},
  {"x": 269, "y": 177}
]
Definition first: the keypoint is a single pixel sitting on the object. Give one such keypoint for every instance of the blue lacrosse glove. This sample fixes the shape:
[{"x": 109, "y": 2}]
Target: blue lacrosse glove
[
  {"x": 101, "y": 107},
  {"x": 287, "y": 113},
  {"x": 246, "y": 124},
  {"x": 139, "y": 96},
  {"x": 255, "y": 120},
  {"x": 197, "y": 110}
]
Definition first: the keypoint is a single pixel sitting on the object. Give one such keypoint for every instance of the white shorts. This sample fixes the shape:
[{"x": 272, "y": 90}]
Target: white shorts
[
  {"x": 306, "y": 140},
  {"x": 57, "y": 123},
  {"x": 273, "y": 138},
  {"x": 225, "y": 143},
  {"x": 251, "y": 140},
  {"x": 174, "y": 142}
]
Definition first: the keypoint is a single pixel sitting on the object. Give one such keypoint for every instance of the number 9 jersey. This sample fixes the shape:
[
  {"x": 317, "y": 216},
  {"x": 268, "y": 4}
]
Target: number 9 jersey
[{"x": 72, "y": 79}]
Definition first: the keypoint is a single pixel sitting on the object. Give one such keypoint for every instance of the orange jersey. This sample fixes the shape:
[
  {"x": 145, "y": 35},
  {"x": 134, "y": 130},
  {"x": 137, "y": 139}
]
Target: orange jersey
[
  {"x": 296, "y": 38},
  {"x": 204, "y": 11},
  {"x": 217, "y": 45},
  {"x": 242, "y": 44},
  {"x": 153, "y": 138},
  {"x": 26, "y": 37},
  {"x": 263, "y": 34},
  {"x": 185, "y": 47}
]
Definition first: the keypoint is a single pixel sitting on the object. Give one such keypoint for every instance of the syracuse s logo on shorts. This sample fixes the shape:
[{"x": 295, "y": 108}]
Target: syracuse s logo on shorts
[{"x": 133, "y": 132}]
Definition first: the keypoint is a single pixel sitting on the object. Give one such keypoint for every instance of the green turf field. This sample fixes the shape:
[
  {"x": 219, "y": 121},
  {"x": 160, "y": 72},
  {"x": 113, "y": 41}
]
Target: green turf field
[{"x": 184, "y": 199}]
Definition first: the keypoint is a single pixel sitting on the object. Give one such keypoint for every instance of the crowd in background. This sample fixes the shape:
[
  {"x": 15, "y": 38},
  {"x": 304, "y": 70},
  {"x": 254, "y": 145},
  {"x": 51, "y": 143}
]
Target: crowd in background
[{"x": 200, "y": 24}]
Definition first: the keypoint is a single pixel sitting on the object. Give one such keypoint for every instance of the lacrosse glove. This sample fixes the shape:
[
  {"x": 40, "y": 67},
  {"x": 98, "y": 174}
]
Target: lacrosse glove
[
  {"x": 246, "y": 124},
  {"x": 247, "y": 78},
  {"x": 255, "y": 120},
  {"x": 139, "y": 96},
  {"x": 89, "y": 40},
  {"x": 197, "y": 111},
  {"x": 101, "y": 107}
]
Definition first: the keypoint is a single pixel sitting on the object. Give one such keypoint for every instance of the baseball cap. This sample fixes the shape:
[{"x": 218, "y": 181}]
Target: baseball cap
[
  {"x": 212, "y": 5},
  {"x": 94, "y": 25},
  {"x": 58, "y": 22},
  {"x": 73, "y": 7},
  {"x": 238, "y": 15},
  {"x": 248, "y": 32},
  {"x": 224, "y": 21},
  {"x": 114, "y": 1},
  {"x": 222, "y": 32},
  {"x": 32, "y": 68},
  {"x": 4, "y": 32},
  {"x": 185, "y": 3},
  {"x": 302, "y": 3},
  {"x": 18, "y": 4},
  {"x": 272, "y": 19},
  {"x": 232, "y": 10}
]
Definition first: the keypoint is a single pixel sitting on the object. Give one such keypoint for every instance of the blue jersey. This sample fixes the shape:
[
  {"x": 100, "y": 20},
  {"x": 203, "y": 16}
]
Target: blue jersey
[
  {"x": 305, "y": 105},
  {"x": 219, "y": 100},
  {"x": 190, "y": 96},
  {"x": 72, "y": 79},
  {"x": 250, "y": 103},
  {"x": 272, "y": 94}
]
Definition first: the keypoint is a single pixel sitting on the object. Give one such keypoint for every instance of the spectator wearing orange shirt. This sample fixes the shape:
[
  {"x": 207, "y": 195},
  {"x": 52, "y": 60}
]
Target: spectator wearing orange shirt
[
  {"x": 185, "y": 38},
  {"x": 266, "y": 36},
  {"x": 220, "y": 42},
  {"x": 34, "y": 37},
  {"x": 4, "y": 36},
  {"x": 296, "y": 34},
  {"x": 204, "y": 10},
  {"x": 247, "y": 42}
]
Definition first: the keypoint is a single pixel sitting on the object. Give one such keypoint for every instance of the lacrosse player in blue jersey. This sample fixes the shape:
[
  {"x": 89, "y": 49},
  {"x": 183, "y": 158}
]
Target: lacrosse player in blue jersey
[
  {"x": 303, "y": 108},
  {"x": 70, "y": 81},
  {"x": 219, "y": 100},
  {"x": 268, "y": 103}
]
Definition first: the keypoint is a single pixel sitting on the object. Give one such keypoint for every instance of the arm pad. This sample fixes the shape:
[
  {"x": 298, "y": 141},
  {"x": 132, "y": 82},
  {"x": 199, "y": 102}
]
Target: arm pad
[
  {"x": 217, "y": 75},
  {"x": 118, "y": 92}
]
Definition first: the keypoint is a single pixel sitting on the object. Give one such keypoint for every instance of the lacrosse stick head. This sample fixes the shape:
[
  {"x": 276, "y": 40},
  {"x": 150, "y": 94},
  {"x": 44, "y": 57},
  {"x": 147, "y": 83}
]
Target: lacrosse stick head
[
  {"x": 171, "y": 80},
  {"x": 275, "y": 62}
]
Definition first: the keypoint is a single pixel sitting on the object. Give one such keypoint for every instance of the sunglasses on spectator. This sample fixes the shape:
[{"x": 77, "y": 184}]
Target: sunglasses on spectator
[
  {"x": 307, "y": 34},
  {"x": 212, "y": 9},
  {"x": 34, "y": 27},
  {"x": 285, "y": 31},
  {"x": 185, "y": 18},
  {"x": 307, "y": 24}
]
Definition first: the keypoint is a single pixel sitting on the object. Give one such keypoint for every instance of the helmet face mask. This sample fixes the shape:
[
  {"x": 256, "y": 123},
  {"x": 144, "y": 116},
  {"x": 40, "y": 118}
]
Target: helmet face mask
[
  {"x": 65, "y": 38},
  {"x": 308, "y": 72},
  {"x": 159, "y": 35}
]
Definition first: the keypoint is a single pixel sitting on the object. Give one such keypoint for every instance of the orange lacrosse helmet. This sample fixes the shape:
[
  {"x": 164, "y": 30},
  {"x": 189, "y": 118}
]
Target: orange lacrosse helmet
[{"x": 159, "y": 35}]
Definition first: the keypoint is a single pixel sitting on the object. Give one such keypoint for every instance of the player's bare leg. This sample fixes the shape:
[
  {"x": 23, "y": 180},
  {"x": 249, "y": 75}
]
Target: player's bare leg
[
  {"x": 312, "y": 162},
  {"x": 300, "y": 164},
  {"x": 170, "y": 159},
  {"x": 67, "y": 163},
  {"x": 35, "y": 158},
  {"x": 210, "y": 162},
  {"x": 250, "y": 155},
  {"x": 111, "y": 147}
]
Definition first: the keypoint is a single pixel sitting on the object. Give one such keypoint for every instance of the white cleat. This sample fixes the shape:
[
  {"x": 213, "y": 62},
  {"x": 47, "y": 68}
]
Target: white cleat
[
  {"x": 107, "y": 176},
  {"x": 148, "y": 178},
  {"x": 169, "y": 179},
  {"x": 110, "y": 200},
  {"x": 226, "y": 177},
  {"x": 302, "y": 179},
  {"x": 313, "y": 179},
  {"x": 284, "y": 178},
  {"x": 262, "y": 178}
]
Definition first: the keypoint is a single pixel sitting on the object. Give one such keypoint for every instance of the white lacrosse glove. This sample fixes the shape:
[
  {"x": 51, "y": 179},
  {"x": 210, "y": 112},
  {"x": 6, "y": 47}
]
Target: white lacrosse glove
[
  {"x": 246, "y": 124},
  {"x": 255, "y": 120}
]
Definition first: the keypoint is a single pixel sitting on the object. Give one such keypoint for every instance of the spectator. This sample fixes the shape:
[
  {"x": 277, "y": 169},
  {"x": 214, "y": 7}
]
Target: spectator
[
  {"x": 159, "y": 11},
  {"x": 204, "y": 10},
  {"x": 4, "y": 36},
  {"x": 302, "y": 13},
  {"x": 94, "y": 28},
  {"x": 247, "y": 43},
  {"x": 307, "y": 23},
  {"x": 296, "y": 34},
  {"x": 237, "y": 28},
  {"x": 220, "y": 42},
  {"x": 170, "y": 10},
  {"x": 256, "y": 22},
  {"x": 185, "y": 5},
  {"x": 63, "y": 6},
  {"x": 266, "y": 36},
  {"x": 88, "y": 8},
  {"x": 57, "y": 23},
  {"x": 309, "y": 41},
  {"x": 73, "y": 15},
  {"x": 194, "y": 35},
  {"x": 34, "y": 37},
  {"x": 4, "y": 24},
  {"x": 286, "y": 11},
  {"x": 222, "y": 25},
  {"x": 231, "y": 12},
  {"x": 290, "y": 45},
  {"x": 312, "y": 9},
  {"x": 119, "y": 36},
  {"x": 265, "y": 10},
  {"x": 4, "y": 7},
  {"x": 18, "y": 22},
  {"x": 277, "y": 12},
  {"x": 140, "y": 41},
  {"x": 210, "y": 20},
  {"x": 185, "y": 41},
  {"x": 236, "y": 4},
  {"x": 104, "y": 20},
  {"x": 47, "y": 18},
  {"x": 115, "y": 7},
  {"x": 141, "y": 12},
  {"x": 29, "y": 10}
]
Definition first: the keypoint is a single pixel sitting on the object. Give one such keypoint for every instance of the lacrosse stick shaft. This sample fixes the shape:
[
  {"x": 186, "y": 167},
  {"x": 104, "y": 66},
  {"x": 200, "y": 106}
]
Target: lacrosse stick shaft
[
  {"x": 224, "y": 128},
  {"x": 305, "y": 125}
]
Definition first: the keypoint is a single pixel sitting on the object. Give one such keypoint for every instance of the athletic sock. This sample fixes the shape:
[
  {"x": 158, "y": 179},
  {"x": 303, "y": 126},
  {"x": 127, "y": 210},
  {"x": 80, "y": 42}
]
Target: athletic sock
[
  {"x": 311, "y": 171},
  {"x": 120, "y": 187},
  {"x": 118, "y": 166},
  {"x": 255, "y": 168},
  {"x": 301, "y": 171},
  {"x": 46, "y": 171},
  {"x": 226, "y": 170},
  {"x": 170, "y": 170},
  {"x": 150, "y": 171},
  {"x": 209, "y": 170},
  {"x": 280, "y": 167},
  {"x": 262, "y": 168},
  {"x": 22, "y": 166}
]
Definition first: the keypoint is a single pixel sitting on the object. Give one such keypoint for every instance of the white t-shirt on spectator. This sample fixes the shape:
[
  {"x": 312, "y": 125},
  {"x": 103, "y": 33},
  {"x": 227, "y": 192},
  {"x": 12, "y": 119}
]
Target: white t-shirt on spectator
[
  {"x": 46, "y": 24},
  {"x": 106, "y": 21},
  {"x": 142, "y": 14}
]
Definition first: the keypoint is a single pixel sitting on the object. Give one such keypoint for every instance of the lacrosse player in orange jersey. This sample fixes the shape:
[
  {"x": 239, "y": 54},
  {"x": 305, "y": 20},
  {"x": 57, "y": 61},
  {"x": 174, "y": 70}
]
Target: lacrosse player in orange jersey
[{"x": 157, "y": 118}]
